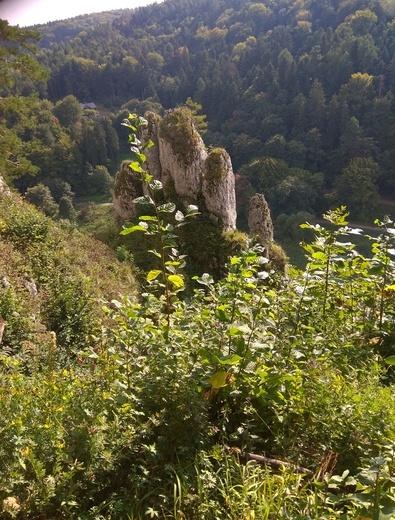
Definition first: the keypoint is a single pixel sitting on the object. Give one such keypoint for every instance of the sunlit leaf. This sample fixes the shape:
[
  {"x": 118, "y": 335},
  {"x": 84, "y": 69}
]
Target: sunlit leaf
[
  {"x": 176, "y": 281},
  {"x": 132, "y": 229},
  {"x": 156, "y": 185},
  {"x": 153, "y": 274},
  {"x": 145, "y": 200},
  {"x": 148, "y": 218},
  {"x": 230, "y": 360},
  {"x": 135, "y": 166},
  {"x": 219, "y": 379},
  {"x": 169, "y": 207},
  {"x": 147, "y": 145}
]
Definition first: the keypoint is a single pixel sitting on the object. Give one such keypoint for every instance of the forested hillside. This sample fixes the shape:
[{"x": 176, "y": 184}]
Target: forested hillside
[
  {"x": 244, "y": 392},
  {"x": 299, "y": 93}
]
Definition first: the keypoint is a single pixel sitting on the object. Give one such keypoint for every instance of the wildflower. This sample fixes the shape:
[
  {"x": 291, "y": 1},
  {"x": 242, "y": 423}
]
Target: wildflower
[{"x": 11, "y": 504}]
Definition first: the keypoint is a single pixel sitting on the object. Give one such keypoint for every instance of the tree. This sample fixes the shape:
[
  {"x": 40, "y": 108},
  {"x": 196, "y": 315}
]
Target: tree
[
  {"x": 316, "y": 105},
  {"x": 68, "y": 111},
  {"x": 99, "y": 181},
  {"x": 17, "y": 52},
  {"x": 199, "y": 120},
  {"x": 356, "y": 188},
  {"x": 41, "y": 197},
  {"x": 66, "y": 209},
  {"x": 358, "y": 93}
]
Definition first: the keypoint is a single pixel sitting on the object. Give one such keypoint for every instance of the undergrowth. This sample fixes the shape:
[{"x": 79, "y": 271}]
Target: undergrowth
[{"x": 154, "y": 417}]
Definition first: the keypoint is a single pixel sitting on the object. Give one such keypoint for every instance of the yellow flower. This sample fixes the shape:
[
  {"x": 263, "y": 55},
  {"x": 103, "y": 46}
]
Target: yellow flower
[{"x": 25, "y": 451}]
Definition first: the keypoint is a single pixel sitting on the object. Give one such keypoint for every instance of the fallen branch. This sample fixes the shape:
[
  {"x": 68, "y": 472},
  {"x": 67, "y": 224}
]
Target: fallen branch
[
  {"x": 2, "y": 325},
  {"x": 244, "y": 456}
]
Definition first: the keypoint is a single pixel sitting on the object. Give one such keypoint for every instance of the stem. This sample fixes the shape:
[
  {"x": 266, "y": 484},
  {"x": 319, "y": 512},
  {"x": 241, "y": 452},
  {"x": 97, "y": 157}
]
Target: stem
[
  {"x": 163, "y": 261},
  {"x": 326, "y": 289},
  {"x": 299, "y": 308},
  {"x": 383, "y": 287}
]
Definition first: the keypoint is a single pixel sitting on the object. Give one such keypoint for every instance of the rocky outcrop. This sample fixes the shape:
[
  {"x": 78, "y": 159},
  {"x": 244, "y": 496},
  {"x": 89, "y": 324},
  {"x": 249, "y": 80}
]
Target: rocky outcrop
[
  {"x": 218, "y": 188},
  {"x": 260, "y": 222},
  {"x": 186, "y": 169},
  {"x": 4, "y": 189},
  {"x": 128, "y": 186}
]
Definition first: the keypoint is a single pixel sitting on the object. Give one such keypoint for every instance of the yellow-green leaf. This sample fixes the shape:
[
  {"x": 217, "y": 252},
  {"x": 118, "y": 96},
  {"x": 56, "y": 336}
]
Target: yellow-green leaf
[
  {"x": 219, "y": 379},
  {"x": 153, "y": 274},
  {"x": 176, "y": 281}
]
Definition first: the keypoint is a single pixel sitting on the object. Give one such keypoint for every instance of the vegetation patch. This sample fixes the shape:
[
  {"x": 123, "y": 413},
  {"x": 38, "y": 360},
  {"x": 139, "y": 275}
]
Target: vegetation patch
[
  {"x": 177, "y": 129},
  {"x": 216, "y": 165}
]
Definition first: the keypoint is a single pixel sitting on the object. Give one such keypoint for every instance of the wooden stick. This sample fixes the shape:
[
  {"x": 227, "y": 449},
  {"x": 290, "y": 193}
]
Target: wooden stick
[
  {"x": 2, "y": 325},
  {"x": 274, "y": 463}
]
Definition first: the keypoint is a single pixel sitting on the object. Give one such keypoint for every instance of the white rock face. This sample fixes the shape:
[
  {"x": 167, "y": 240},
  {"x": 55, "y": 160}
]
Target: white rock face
[
  {"x": 187, "y": 178},
  {"x": 181, "y": 162},
  {"x": 127, "y": 187},
  {"x": 4, "y": 189},
  {"x": 260, "y": 222},
  {"x": 153, "y": 165},
  {"x": 218, "y": 188}
]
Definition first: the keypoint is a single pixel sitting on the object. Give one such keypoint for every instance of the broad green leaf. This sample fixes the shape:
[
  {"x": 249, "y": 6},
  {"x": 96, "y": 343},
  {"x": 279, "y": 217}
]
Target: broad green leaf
[
  {"x": 230, "y": 360},
  {"x": 169, "y": 207},
  {"x": 147, "y": 145},
  {"x": 390, "y": 360},
  {"x": 148, "y": 218},
  {"x": 219, "y": 379},
  {"x": 135, "y": 166},
  {"x": 239, "y": 331},
  {"x": 153, "y": 274},
  {"x": 221, "y": 313},
  {"x": 235, "y": 260},
  {"x": 132, "y": 229},
  {"x": 147, "y": 177},
  {"x": 155, "y": 252},
  {"x": 247, "y": 273},
  {"x": 176, "y": 281},
  {"x": 145, "y": 200},
  {"x": 318, "y": 255}
]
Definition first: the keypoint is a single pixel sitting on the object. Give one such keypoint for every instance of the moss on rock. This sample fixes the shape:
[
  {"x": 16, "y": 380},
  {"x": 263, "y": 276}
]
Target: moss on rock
[
  {"x": 177, "y": 128},
  {"x": 216, "y": 164}
]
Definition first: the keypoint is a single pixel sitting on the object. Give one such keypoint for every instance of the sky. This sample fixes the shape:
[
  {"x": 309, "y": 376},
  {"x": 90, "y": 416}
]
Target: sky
[{"x": 31, "y": 12}]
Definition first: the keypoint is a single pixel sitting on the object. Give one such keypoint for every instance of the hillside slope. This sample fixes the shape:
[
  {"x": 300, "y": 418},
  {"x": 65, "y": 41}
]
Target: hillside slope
[{"x": 52, "y": 281}]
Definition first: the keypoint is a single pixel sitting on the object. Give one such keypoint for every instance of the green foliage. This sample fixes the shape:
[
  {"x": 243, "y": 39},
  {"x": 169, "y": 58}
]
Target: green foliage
[
  {"x": 17, "y": 53},
  {"x": 69, "y": 312},
  {"x": 168, "y": 277},
  {"x": 292, "y": 366},
  {"x": 176, "y": 128},
  {"x": 66, "y": 209},
  {"x": 41, "y": 197},
  {"x": 215, "y": 165},
  {"x": 68, "y": 110},
  {"x": 49, "y": 280}
]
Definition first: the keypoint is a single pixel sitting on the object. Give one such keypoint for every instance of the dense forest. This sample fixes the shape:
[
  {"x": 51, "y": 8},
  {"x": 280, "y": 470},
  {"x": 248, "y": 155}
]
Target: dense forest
[
  {"x": 151, "y": 389},
  {"x": 299, "y": 93}
]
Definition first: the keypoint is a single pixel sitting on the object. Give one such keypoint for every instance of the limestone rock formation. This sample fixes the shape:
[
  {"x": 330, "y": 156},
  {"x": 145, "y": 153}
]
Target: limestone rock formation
[
  {"x": 127, "y": 187},
  {"x": 4, "y": 189},
  {"x": 260, "y": 222},
  {"x": 218, "y": 188},
  {"x": 187, "y": 171}
]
